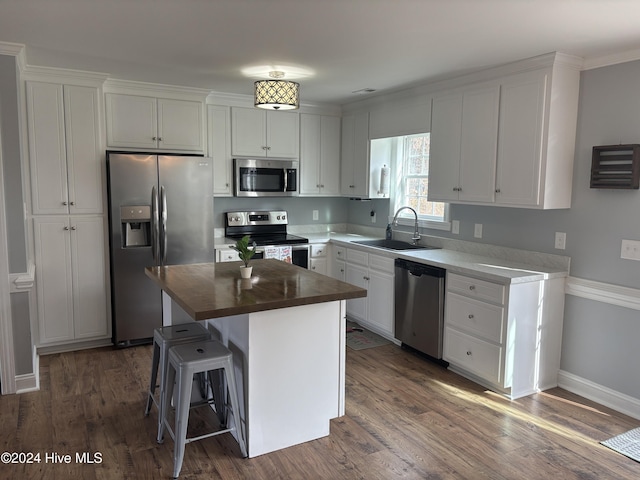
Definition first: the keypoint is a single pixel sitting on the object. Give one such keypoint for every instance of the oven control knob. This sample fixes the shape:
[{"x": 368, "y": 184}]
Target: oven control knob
[{"x": 283, "y": 217}]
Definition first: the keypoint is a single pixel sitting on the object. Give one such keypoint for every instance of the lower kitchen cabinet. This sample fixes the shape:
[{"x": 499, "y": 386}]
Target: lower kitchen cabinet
[
  {"x": 318, "y": 258},
  {"x": 376, "y": 274},
  {"x": 71, "y": 281},
  {"x": 506, "y": 337}
]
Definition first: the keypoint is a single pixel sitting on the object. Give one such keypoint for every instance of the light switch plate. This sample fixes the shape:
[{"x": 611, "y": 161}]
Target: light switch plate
[
  {"x": 561, "y": 240},
  {"x": 455, "y": 227},
  {"x": 477, "y": 231}
]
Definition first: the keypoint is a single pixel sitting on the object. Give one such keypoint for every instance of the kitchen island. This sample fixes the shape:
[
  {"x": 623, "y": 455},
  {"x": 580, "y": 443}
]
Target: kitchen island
[{"x": 286, "y": 328}]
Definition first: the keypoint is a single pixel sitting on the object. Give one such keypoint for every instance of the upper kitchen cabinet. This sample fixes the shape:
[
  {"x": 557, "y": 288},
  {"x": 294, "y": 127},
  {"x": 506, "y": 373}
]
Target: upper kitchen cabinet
[
  {"x": 260, "y": 133},
  {"x": 219, "y": 149},
  {"x": 319, "y": 155},
  {"x": 354, "y": 173},
  {"x": 527, "y": 161},
  {"x": 464, "y": 133},
  {"x": 64, "y": 148},
  {"x": 144, "y": 122},
  {"x": 536, "y": 140}
]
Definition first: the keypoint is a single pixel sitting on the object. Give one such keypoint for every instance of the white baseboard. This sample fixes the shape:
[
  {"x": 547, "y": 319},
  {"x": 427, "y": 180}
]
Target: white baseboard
[
  {"x": 602, "y": 395},
  {"x": 29, "y": 382}
]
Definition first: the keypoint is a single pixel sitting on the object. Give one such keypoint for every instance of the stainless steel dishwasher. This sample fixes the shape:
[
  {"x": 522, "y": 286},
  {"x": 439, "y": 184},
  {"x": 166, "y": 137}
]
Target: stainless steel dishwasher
[{"x": 419, "y": 306}]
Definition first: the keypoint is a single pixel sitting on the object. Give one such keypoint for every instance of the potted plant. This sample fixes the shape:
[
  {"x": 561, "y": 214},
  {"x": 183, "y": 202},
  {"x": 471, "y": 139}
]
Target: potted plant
[{"x": 245, "y": 253}]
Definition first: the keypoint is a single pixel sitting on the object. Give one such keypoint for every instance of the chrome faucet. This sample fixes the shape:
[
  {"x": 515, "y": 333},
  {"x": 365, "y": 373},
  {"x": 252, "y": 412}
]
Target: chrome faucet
[{"x": 416, "y": 234}]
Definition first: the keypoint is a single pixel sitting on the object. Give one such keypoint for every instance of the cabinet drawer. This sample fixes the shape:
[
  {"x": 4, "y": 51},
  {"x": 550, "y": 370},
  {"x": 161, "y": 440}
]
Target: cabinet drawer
[
  {"x": 473, "y": 355},
  {"x": 340, "y": 253},
  {"x": 381, "y": 263},
  {"x": 227, "y": 255},
  {"x": 473, "y": 316},
  {"x": 475, "y": 288},
  {"x": 356, "y": 256},
  {"x": 319, "y": 250}
]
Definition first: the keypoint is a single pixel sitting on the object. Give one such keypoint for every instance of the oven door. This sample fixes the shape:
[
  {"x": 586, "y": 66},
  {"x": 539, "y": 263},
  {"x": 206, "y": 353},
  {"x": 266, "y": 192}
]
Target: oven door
[
  {"x": 300, "y": 255},
  {"x": 261, "y": 178}
]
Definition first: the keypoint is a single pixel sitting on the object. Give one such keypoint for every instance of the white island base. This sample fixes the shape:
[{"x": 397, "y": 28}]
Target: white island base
[{"x": 290, "y": 371}]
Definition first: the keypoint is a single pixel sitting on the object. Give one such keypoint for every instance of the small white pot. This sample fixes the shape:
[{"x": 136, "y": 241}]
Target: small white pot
[{"x": 245, "y": 272}]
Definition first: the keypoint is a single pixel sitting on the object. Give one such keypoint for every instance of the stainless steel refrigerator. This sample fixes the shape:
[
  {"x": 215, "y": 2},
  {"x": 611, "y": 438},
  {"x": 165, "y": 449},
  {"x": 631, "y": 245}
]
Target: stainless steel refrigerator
[{"x": 160, "y": 213}]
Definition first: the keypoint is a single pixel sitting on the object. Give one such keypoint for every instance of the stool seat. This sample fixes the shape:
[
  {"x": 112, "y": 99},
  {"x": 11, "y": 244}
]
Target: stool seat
[
  {"x": 185, "y": 361},
  {"x": 163, "y": 339}
]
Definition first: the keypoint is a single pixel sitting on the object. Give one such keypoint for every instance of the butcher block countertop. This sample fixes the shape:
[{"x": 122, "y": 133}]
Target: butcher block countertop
[{"x": 213, "y": 290}]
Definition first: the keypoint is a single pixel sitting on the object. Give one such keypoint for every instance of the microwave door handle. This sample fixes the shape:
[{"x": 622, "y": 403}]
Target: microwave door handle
[
  {"x": 284, "y": 170},
  {"x": 154, "y": 225}
]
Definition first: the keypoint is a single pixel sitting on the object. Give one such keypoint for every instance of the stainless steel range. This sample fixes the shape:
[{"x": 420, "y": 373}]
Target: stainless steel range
[{"x": 268, "y": 229}]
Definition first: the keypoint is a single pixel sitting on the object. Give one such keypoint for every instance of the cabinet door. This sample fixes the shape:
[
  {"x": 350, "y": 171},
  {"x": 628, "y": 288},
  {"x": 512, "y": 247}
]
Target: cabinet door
[
  {"x": 89, "y": 277},
  {"x": 478, "y": 144},
  {"x": 219, "y": 145},
  {"x": 248, "y": 130},
  {"x": 358, "y": 276},
  {"x": 318, "y": 265},
  {"x": 520, "y": 139},
  {"x": 132, "y": 121},
  {"x": 310, "y": 135},
  {"x": 53, "y": 278},
  {"x": 180, "y": 125},
  {"x": 444, "y": 158},
  {"x": 47, "y": 149},
  {"x": 338, "y": 270},
  {"x": 355, "y": 155},
  {"x": 82, "y": 127},
  {"x": 283, "y": 134},
  {"x": 330, "y": 155},
  {"x": 380, "y": 298}
]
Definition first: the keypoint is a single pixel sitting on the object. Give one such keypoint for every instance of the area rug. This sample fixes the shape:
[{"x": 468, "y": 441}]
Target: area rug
[
  {"x": 359, "y": 338},
  {"x": 628, "y": 444}
]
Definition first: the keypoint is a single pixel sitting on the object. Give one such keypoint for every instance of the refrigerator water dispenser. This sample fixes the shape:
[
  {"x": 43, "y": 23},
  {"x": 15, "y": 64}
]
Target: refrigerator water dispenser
[{"x": 136, "y": 225}]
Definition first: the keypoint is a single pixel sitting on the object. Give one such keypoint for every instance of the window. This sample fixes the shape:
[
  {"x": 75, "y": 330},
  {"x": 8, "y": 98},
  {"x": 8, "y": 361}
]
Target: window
[{"x": 412, "y": 183}]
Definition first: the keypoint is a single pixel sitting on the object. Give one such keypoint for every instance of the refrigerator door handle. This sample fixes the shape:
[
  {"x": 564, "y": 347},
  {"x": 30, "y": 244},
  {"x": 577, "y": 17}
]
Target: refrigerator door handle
[
  {"x": 154, "y": 225},
  {"x": 163, "y": 226}
]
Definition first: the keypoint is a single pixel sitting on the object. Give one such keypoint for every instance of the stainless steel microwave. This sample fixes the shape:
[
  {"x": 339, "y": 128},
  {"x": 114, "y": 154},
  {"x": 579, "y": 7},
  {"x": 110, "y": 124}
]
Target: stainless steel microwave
[{"x": 265, "y": 177}]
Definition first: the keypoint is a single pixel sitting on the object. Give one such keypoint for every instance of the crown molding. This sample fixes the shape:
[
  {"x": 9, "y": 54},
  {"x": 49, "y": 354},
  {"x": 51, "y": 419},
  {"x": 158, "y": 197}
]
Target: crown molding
[
  {"x": 131, "y": 87},
  {"x": 54, "y": 74},
  {"x": 614, "y": 59}
]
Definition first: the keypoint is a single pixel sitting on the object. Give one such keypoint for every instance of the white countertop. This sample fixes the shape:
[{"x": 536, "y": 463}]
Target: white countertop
[{"x": 483, "y": 266}]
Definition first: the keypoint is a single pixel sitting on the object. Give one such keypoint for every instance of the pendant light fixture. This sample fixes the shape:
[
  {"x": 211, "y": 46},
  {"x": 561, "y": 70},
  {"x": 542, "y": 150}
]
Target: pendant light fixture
[{"x": 276, "y": 94}]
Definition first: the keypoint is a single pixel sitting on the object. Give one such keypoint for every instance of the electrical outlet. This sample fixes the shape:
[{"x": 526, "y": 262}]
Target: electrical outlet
[
  {"x": 561, "y": 240},
  {"x": 315, "y": 214},
  {"x": 630, "y": 249},
  {"x": 455, "y": 227},
  {"x": 477, "y": 230}
]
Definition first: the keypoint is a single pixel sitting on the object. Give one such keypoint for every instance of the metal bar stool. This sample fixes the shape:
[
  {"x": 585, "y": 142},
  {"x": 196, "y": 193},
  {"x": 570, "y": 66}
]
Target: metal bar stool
[
  {"x": 163, "y": 339},
  {"x": 185, "y": 361}
]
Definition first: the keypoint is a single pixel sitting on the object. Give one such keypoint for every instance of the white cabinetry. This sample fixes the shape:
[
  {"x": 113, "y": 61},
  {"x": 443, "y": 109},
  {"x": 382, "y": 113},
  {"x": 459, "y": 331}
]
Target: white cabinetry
[
  {"x": 376, "y": 274},
  {"x": 318, "y": 258},
  {"x": 506, "y": 337},
  {"x": 64, "y": 148},
  {"x": 527, "y": 161},
  {"x": 71, "y": 278},
  {"x": 227, "y": 255},
  {"x": 337, "y": 266},
  {"x": 260, "y": 133},
  {"x": 142, "y": 122},
  {"x": 319, "y": 155},
  {"x": 538, "y": 116},
  {"x": 354, "y": 174},
  {"x": 219, "y": 148},
  {"x": 464, "y": 132}
]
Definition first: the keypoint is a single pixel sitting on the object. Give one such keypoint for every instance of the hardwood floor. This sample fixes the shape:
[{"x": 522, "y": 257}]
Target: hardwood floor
[{"x": 405, "y": 418}]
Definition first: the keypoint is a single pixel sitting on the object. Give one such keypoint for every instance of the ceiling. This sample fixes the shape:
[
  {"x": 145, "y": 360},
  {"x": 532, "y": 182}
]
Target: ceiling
[{"x": 335, "y": 46}]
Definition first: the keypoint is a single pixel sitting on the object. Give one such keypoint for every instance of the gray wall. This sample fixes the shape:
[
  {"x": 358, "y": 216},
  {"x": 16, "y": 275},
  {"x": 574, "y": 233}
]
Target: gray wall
[{"x": 16, "y": 241}]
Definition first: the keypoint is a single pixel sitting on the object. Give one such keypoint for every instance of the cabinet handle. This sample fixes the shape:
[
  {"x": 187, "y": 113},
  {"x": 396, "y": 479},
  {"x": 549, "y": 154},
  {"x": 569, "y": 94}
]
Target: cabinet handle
[
  {"x": 352, "y": 186},
  {"x": 497, "y": 190},
  {"x": 66, "y": 228},
  {"x": 154, "y": 138},
  {"x": 64, "y": 203},
  {"x": 471, "y": 315},
  {"x": 317, "y": 185},
  {"x": 342, "y": 270},
  {"x": 366, "y": 278},
  {"x": 226, "y": 184},
  {"x": 159, "y": 139},
  {"x": 321, "y": 186},
  {"x": 472, "y": 287},
  {"x": 469, "y": 352},
  {"x": 73, "y": 228},
  {"x": 338, "y": 253},
  {"x": 72, "y": 203}
]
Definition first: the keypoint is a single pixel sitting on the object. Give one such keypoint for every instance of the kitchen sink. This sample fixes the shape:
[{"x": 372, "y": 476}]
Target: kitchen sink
[{"x": 392, "y": 244}]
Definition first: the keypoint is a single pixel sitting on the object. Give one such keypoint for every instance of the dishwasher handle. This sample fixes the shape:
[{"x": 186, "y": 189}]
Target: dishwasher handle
[{"x": 418, "y": 269}]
